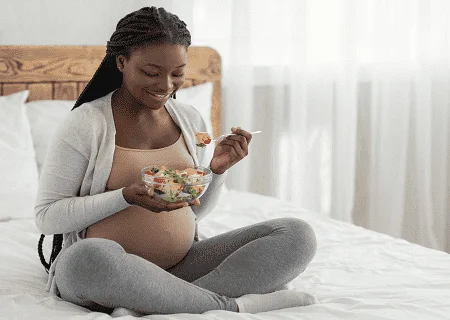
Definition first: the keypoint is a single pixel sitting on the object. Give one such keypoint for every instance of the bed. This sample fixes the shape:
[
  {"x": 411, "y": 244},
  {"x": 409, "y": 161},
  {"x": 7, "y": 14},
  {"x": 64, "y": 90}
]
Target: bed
[{"x": 356, "y": 273}]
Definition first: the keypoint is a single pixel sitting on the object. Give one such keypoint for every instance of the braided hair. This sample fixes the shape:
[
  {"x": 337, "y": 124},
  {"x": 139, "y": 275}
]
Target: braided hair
[{"x": 149, "y": 25}]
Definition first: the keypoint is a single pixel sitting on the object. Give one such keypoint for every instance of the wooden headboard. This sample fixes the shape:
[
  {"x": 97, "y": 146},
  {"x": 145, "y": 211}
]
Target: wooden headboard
[{"x": 62, "y": 72}]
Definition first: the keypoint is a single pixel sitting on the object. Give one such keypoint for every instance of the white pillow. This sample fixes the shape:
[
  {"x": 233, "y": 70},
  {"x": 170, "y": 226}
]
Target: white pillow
[
  {"x": 200, "y": 97},
  {"x": 44, "y": 117},
  {"x": 18, "y": 171}
]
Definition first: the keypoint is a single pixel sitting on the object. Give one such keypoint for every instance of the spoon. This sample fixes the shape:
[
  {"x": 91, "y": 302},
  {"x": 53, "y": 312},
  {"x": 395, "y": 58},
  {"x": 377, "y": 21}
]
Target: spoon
[{"x": 230, "y": 134}]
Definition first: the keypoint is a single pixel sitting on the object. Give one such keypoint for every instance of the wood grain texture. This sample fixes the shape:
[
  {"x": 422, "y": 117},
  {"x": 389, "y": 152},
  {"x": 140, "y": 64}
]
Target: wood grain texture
[
  {"x": 9, "y": 88},
  {"x": 65, "y": 91},
  {"x": 62, "y": 72},
  {"x": 81, "y": 86},
  {"x": 40, "y": 91}
]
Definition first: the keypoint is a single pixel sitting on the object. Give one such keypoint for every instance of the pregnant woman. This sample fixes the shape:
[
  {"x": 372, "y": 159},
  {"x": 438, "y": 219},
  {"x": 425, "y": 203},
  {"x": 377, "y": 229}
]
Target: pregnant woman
[{"x": 115, "y": 246}]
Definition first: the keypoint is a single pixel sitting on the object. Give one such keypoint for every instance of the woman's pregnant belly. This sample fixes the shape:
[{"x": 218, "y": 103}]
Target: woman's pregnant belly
[{"x": 162, "y": 238}]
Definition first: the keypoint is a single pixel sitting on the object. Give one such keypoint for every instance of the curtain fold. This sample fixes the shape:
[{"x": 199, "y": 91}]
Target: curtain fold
[{"x": 352, "y": 97}]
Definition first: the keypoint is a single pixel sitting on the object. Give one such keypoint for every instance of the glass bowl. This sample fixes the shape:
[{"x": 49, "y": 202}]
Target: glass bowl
[{"x": 176, "y": 187}]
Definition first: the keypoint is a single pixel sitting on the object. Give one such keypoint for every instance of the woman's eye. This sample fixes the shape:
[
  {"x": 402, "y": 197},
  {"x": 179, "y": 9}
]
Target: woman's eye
[
  {"x": 150, "y": 74},
  {"x": 156, "y": 74}
]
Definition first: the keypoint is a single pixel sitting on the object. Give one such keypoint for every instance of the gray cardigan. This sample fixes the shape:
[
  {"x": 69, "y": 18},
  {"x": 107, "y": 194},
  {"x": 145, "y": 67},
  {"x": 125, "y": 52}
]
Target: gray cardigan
[{"x": 71, "y": 194}]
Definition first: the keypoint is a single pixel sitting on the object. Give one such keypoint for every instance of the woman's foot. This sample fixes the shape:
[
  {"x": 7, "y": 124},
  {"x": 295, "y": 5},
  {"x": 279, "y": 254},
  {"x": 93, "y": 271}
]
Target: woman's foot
[
  {"x": 120, "y": 312},
  {"x": 255, "y": 303},
  {"x": 288, "y": 286}
]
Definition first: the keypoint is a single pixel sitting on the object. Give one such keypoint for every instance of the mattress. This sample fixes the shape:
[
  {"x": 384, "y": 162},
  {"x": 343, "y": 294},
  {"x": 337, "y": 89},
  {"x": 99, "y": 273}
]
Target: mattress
[{"x": 356, "y": 273}]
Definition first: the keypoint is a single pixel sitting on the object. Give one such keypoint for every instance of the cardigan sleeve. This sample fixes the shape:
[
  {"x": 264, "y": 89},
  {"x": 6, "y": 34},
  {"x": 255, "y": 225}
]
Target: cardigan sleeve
[{"x": 58, "y": 207}]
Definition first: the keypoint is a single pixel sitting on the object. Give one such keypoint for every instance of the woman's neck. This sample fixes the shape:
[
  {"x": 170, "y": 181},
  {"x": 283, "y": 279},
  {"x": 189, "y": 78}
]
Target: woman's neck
[{"x": 120, "y": 102}]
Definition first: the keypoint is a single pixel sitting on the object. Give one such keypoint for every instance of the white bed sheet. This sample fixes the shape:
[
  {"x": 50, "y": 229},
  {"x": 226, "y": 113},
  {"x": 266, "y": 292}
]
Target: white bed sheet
[{"x": 356, "y": 273}]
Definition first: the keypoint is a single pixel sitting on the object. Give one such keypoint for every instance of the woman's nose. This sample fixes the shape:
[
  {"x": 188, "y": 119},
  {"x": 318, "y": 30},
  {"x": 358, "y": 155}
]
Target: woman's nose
[{"x": 167, "y": 85}]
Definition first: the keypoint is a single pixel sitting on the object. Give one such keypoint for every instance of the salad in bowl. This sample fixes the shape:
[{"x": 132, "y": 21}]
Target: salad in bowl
[{"x": 175, "y": 185}]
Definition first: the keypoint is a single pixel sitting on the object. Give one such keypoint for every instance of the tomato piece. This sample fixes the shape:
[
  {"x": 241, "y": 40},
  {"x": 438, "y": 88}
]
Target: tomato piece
[
  {"x": 149, "y": 173},
  {"x": 207, "y": 141},
  {"x": 159, "y": 180}
]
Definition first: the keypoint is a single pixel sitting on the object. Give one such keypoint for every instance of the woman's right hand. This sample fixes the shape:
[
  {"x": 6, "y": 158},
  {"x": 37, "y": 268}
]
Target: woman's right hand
[{"x": 138, "y": 194}]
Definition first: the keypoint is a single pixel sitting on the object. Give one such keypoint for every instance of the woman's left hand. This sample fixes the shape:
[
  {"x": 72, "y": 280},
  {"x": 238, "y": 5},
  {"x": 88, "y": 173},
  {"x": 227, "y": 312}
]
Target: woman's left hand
[{"x": 230, "y": 150}]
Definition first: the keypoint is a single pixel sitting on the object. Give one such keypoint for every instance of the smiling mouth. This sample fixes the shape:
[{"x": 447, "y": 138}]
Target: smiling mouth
[{"x": 159, "y": 96}]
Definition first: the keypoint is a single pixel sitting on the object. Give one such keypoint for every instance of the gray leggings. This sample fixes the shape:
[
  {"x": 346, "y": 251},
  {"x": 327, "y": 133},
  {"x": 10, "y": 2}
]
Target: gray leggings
[{"x": 260, "y": 258}]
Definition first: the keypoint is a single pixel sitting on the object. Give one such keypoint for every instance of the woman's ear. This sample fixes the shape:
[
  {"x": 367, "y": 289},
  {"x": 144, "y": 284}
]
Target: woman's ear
[{"x": 120, "y": 62}]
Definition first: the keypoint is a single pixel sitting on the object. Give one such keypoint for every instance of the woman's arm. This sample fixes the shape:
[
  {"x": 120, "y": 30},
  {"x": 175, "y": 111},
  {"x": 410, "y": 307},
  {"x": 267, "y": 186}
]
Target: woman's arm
[{"x": 59, "y": 208}]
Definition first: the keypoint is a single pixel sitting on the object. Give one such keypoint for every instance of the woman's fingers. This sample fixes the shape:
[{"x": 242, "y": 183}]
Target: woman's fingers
[
  {"x": 196, "y": 202},
  {"x": 235, "y": 149},
  {"x": 248, "y": 136},
  {"x": 149, "y": 194}
]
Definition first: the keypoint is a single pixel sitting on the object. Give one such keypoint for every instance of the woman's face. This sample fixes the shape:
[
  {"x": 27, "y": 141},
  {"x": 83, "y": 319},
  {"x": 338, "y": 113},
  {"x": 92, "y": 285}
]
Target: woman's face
[{"x": 154, "y": 72}]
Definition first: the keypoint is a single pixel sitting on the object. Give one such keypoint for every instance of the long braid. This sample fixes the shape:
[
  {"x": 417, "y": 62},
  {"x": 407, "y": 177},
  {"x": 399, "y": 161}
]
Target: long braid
[{"x": 149, "y": 25}]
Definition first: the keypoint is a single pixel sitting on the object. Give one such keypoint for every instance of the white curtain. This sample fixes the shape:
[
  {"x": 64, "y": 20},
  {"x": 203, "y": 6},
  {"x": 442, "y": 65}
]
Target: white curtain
[{"x": 352, "y": 97}]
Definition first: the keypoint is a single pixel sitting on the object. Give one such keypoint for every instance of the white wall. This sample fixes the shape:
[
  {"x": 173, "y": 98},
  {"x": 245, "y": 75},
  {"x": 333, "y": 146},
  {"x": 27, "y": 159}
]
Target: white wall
[{"x": 73, "y": 22}]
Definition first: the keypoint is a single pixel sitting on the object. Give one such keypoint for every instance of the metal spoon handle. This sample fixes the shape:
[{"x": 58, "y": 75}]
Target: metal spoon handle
[{"x": 230, "y": 134}]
